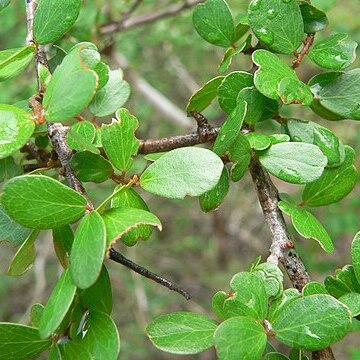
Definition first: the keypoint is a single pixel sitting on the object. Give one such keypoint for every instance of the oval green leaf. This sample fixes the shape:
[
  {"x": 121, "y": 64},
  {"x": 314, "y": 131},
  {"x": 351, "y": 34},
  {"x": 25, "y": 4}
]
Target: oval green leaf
[
  {"x": 187, "y": 171},
  {"x": 16, "y": 127},
  {"x": 296, "y": 163},
  {"x": 182, "y": 332},
  {"x": 88, "y": 250},
  {"x": 40, "y": 202}
]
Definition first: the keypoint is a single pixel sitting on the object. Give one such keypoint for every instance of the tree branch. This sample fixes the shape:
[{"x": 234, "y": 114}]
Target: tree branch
[
  {"x": 305, "y": 50},
  {"x": 282, "y": 247},
  {"x": 121, "y": 259},
  {"x": 124, "y": 25}
]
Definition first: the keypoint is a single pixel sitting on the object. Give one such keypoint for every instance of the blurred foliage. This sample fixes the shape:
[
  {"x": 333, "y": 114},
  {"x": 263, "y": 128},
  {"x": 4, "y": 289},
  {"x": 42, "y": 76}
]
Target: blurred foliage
[{"x": 199, "y": 251}]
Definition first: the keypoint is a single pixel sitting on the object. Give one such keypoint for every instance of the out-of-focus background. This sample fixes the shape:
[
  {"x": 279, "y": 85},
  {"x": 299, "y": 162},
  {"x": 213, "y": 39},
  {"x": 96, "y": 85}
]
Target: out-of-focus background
[{"x": 165, "y": 62}]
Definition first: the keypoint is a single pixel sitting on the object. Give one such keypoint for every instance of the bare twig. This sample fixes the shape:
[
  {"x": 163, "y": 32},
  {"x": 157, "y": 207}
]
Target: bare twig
[
  {"x": 305, "y": 50},
  {"x": 140, "y": 20},
  {"x": 121, "y": 259},
  {"x": 282, "y": 248}
]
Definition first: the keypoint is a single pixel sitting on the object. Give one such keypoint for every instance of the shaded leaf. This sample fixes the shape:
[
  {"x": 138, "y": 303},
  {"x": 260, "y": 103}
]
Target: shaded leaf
[
  {"x": 314, "y": 19},
  {"x": 86, "y": 130},
  {"x": 204, "y": 96},
  {"x": 293, "y": 91},
  {"x": 57, "y": 306},
  {"x": 212, "y": 199},
  {"x": 63, "y": 239},
  {"x": 355, "y": 255},
  {"x": 240, "y": 155},
  {"x": 9, "y": 169},
  {"x": 91, "y": 167},
  {"x": 258, "y": 141},
  {"x": 36, "y": 314},
  {"x": 334, "y": 184},
  {"x": 24, "y": 257},
  {"x": 352, "y": 301}
]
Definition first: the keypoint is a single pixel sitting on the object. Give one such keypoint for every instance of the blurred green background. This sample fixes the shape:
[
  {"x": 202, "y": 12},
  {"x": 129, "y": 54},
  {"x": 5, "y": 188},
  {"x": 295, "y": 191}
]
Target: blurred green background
[{"x": 199, "y": 251}]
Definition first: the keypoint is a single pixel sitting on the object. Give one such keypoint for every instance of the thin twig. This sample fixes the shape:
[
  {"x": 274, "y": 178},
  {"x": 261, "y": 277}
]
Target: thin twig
[
  {"x": 148, "y": 18},
  {"x": 121, "y": 259},
  {"x": 305, "y": 50}
]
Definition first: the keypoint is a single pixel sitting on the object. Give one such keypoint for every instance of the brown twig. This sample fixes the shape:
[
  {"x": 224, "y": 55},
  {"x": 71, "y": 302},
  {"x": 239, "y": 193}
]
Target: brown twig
[
  {"x": 305, "y": 50},
  {"x": 148, "y": 18},
  {"x": 121, "y": 259}
]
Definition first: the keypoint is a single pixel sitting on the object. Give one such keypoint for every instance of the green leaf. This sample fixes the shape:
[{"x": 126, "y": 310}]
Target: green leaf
[
  {"x": 339, "y": 92},
  {"x": 119, "y": 221},
  {"x": 259, "y": 107},
  {"x": 312, "y": 322},
  {"x": 293, "y": 91},
  {"x": 86, "y": 130},
  {"x": 119, "y": 141},
  {"x": 155, "y": 156},
  {"x": 98, "y": 297},
  {"x": 57, "y": 306},
  {"x": 217, "y": 304},
  {"x": 278, "y": 304},
  {"x": 88, "y": 250},
  {"x": 103, "y": 72},
  {"x": 15, "y": 61},
  {"x": 249, "y": 297},
  {"x": 63, "y": 239},
  {"x": 204, "y": 96},
  {"x": 187, "y": 171},
  {"x": 313, "y": 133},
  {"x": 270, "y": 73},
  {"x": 129, "y": 198},
  {"x": 230, "y": 87},
  {"x": 40, "y": 202},
  {"x": 112, "y": 96},
  {"x": 334, "y": 184},
  {"x": 258, "y": 141},
  {"x": 232, "y": 52},
  {"x": 81, "y": 142},
  {"x": 334, "y": 53},
  {"x": 54, "y": 18},
  {"x": 182, "y": 332},
  {"x": 297, "y": 354},
  {"x": 16, "y": 127},
  {"x": 296, "y": 163},
  {"x": 314, "y": 19},
  {"x": 9, "y": 169},
  {"x": 74, "y": 79},
  {"x": 240, "y": 155},
  {"x": 213, "y": 198},
  {"x": 24, "y": 257},
  {"x": 355, "y": 255},
  {"x": 278, "y": 24},
  {"x": 91, "y": 167},
  {"x": 279, "y": 138},
  {"x": 272, "y": 277},
  {"x": 324, "y": 5},
  {"x": 72, "y": 350},
  {"x": 102, "y": 337},
  {"x": 4, "y": 4},
  {"x": 36, "y": 314},
  {"x": 230, "y": 129},
  {"x": 239, "y": 338},
  {"x": 274, "y": 356},
  {"x": 21, "y": 342},
  {"x": 214, "y": 23},
  {"x": 313, "y": 288},
  {"x": 343, "y": 282},
  {"x": 308, "y": 226},
  {"x": 352, "y": 301},
  {"x": 11, "y": 231}
]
